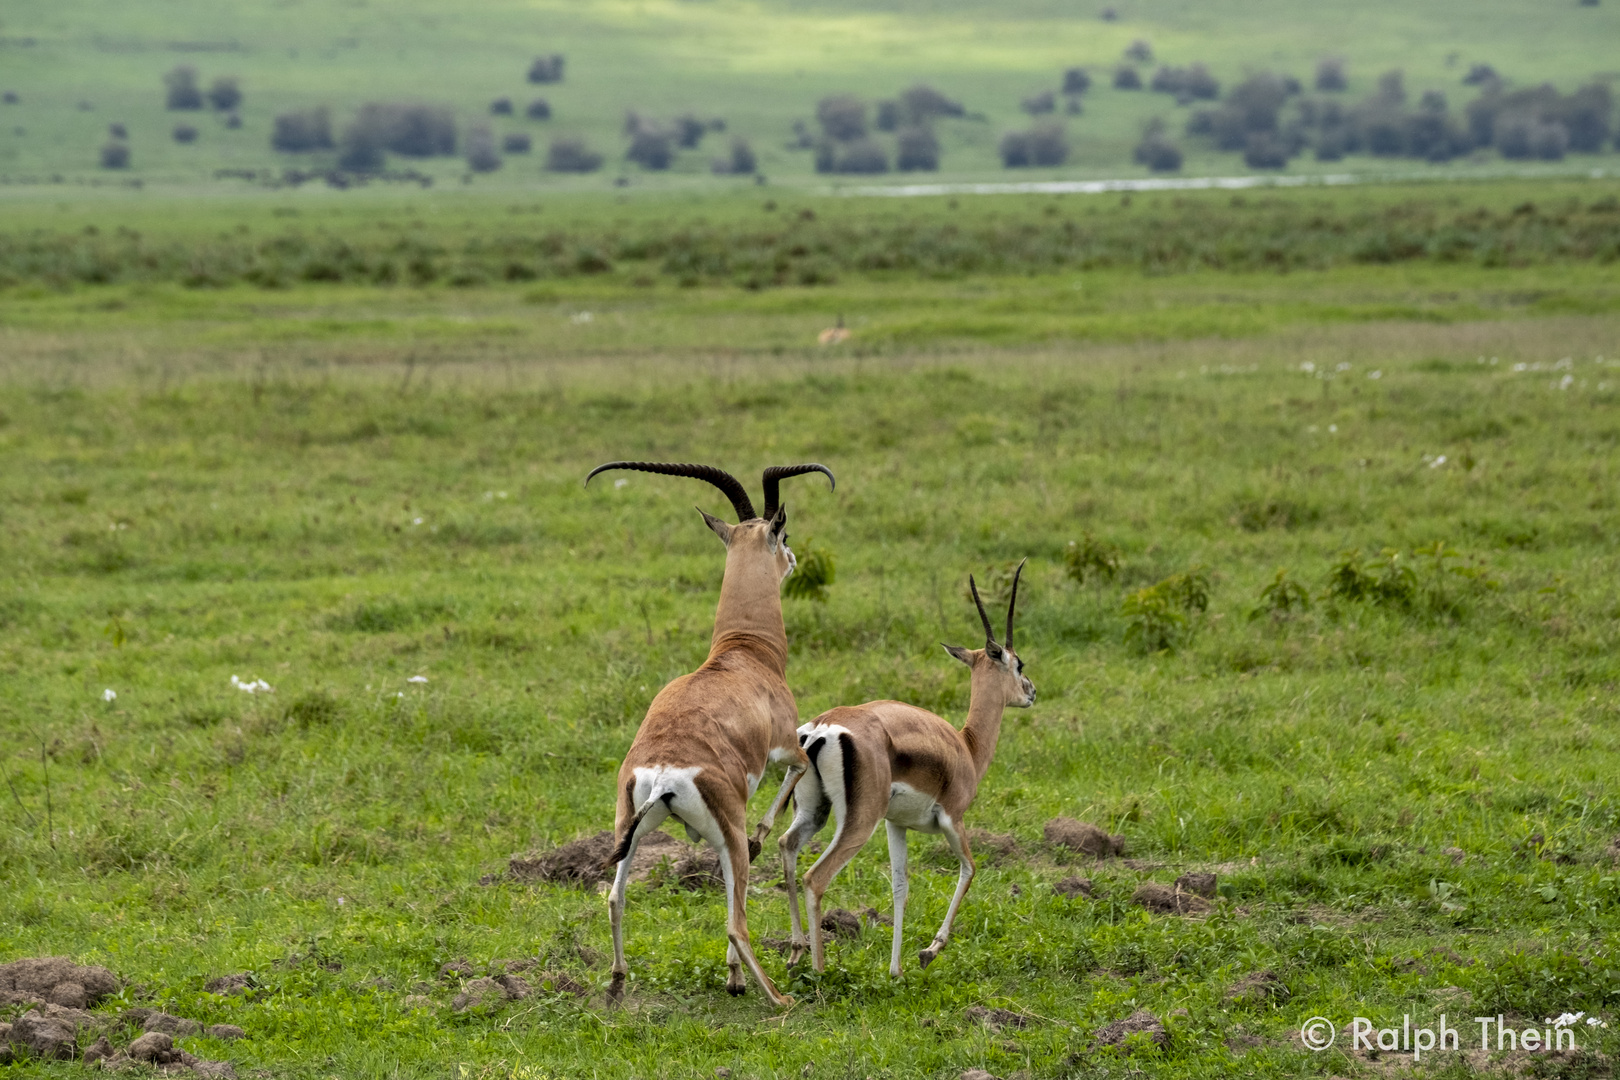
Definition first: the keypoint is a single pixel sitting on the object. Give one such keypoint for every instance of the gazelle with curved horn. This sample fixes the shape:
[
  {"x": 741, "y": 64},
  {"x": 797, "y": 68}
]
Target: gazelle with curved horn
[
  {"x": 707, "y": 737},
  {"x": 888, "y": 761}
]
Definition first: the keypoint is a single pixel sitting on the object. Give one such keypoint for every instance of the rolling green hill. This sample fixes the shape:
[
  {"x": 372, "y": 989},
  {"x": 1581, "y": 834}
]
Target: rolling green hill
[{"x": 76, "y": 67}]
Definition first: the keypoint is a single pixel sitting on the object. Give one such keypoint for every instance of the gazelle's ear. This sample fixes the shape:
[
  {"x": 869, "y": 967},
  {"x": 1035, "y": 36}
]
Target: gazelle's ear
[
  {"x": 964, "y": 655},
  {"x": 721, "y": 529}
]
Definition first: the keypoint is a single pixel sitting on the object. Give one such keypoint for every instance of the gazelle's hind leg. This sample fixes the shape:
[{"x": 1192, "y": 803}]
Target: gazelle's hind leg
[
  {"x": 956, "y": 837},
  {"x": 651, "y": 815},
  {"x": 834, "y": 762},
  {"x": 733, "y": 851},
  {"x": 901, "y": 886},
  {"x": 810, "y": 811}
]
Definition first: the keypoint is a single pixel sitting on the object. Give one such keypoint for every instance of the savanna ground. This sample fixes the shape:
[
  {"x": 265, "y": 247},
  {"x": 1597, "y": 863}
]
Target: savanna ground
[{"x": 1401, "y": 770}]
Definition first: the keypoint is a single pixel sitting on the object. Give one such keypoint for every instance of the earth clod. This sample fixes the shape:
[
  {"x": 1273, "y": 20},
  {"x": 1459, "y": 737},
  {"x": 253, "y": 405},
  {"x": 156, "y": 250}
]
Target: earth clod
[
  {"x": 1084, "y": 837},
  {"x": 841, "y": 922},
  {"x": 1258, "y": 988},
  {"x": 1074, "y": 886},
  {"x": 1199, "y": 884},
  {"x": 225, "y": 1032},
  {"x": 1166, "y": 900},
  {"x": 169, "y": 1024},
  {"x": 1140, "y": 1022},
  {"x": 46, "y": 1037},
  {"x": 996, "y": 1019}
]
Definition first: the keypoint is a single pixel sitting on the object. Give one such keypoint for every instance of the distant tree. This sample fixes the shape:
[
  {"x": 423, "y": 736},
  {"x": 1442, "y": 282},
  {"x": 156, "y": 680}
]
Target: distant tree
[
  {"x": 1041, "y": 145},
  {"x": 1432, "y": 101},
  {"x": 501, "y": 106},
  {"x": 1139, "y": 52},
  {"x": 547, "y": 69},
  {"x": 689, "y": 131},
  {"x": 1258, "y": 99},
  {"x": 516, "y": 143},
  {"x": 862, "y": 156},
  {"x": 302, "y": 131},
  {"x": 842, "y": 117},
  {"x": 888, "y": 114},
  {"x": 184, "y": 133},
  {"x": 1330, "y": 75},
  {"x": 1264, "y": 151},
  {"x": 571, "y": 154},
  {"x": 1076, "y": 81},
  {"x": 182, "y": 92},
  {"x": 921, "y": 103},
  {"x": 741, "y": 160},
  {"x": 361, "y": 149},
  {"x": 1587, "y": 115},
  {"x": 1127, "y": 78},
  {"x": 10, "y": 98},
  {"x": 117, "y": 130},
  {"x": 1039, "y": 104},
  {"x": 1392, "y": 87},
  {"x": 917, "y": 150},
  {"x": 1108, "y": 14},
  {"x": 233, "y": 121},
  {"x": 225, "y": 94},
  {"x": 482, "y": 157},
  {"x": 1072, "y": 107},
  {"x": 802, "y": 139},
  {"x": 651, "y": 149},
  {"x": 1330, "y": 144},
  {"x": 115, "y": 155},
  {"x": 538, "y": 109},
  {"x": 1480, "y": 74},
  {"x": 410, "y": 129},
  {"x": 1156, "y": 151}
]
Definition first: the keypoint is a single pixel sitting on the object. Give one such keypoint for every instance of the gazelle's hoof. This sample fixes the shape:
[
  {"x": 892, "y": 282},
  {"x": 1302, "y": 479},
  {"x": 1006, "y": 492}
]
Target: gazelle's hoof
[
  {"x": 736, "y": 989},
  {"x": 927, "y": 956},
  {"x": 615, "y": 992},
  {"x": 784, "y": 1001},
  {"x": 796, "y": 955},
  {"x": 754, "y": 848}
]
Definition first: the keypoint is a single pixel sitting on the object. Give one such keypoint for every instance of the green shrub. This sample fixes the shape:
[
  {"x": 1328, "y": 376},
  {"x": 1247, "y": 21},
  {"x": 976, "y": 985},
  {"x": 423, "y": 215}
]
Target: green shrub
[
  {"x": 1282, "y": 596},
  {"x": 813, "y": 576},
  {"x": 1090, "y": 558},
  {"x": 1157, "y": 617}
]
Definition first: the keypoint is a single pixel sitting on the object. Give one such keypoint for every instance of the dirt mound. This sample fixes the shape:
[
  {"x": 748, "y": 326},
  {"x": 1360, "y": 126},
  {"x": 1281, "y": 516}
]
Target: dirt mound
[
  {"x": 1198, "y": 884},
  {"x": 978, "y": 1074},
  {"x": 996, "y": 1019},
  {"x": 992, "y": 847},
  {"x": 1072, "y": 887},
  {"x": 1167, "y": 900},
  {"x": 1084, "y": 837},
  {"x": 224, "y": 1032},
  {"x": 560, "y": 982},
  {"x": 46, "y": 1037},
  {"x": 841, "y": 922},
  {"x": 1140, "y": 1022},
  {"x": 54, "y": 980},
  {"x": 873, "y": 917},
  {"x": 584, "y": 861},
  {"x": 697, "y": 869},
  {"x": 168, "y": 1024},
  {"x": 1257, "y": 988},
  {"x": 241, "y": 982},
  {"x": 491, "y": 991}
]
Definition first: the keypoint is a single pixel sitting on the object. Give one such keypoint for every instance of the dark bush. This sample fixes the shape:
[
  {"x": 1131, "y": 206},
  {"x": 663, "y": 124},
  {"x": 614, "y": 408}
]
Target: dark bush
[
  {"x": 1157, "y": 153},
  {"x": 741, "y": 162},
  {"x": 361, "y": 149},
  {"x": 1330, "y": 75},
  {"x": 539, "y": 109},
  {"x": 917, "y": 150},
  {"x": 571, "y": 154},
  {"x": 1042, "y": 145},
  {"x": 922, "y": 103},
  {"x": 1522, "y": 136},
  {"x": 1480, "y": 74},
  {"x": 1382, "y": 130},
  {"x": 1392, "y": 87},
  {"x": 517, "y": 143},
  {"x": 802, "y": 139},
  {"x": 411, "y": 130},
  {"x": 1432, "y": 101},
  {"x": 225, "y": 94},
  {"x": 1265, "y": 151},
  {"x": 184, "y": 133},
  {"x": 1076, "y": 80},
  {"x": 115, "y": 155},
  {"x": 1431, "y": 135},
  {"x": 1126, "y": 78},
  {"x": 1187, "y": 83},
  {"x": 1073, "y": 107},
  {"x": 1040, "y": 104},
  {"x": 861, "y": 156},
  {"x": 1330, "y": 145},
  {"x": 1258, "y": 98},
  {"x": 482, "y": 157},
  {"x": 1587, "y": 114},
  {"x": 501, "y": 106},
  {"x": 651, "y": 149},
  {"x": 10, "y": 97},
  {"x": 689, "y": 131},
  {"x": 888, "y": 114},
  {"x": 1108, "y": 14},
  {"x": 182, "y": 91},
  {"x": 547, "y": 69},
  {"x": 842, "y": 117},
  {"x": 233, "y": 121},
  {"x": 117, "y": 131},
  {"x": 1140, "y": 52},
  {"x": 303, "y": 131}
]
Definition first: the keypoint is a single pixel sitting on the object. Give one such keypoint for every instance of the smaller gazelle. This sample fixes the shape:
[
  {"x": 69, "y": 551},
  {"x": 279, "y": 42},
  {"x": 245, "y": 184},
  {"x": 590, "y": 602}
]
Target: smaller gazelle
[{"x": 886, "y": 760}]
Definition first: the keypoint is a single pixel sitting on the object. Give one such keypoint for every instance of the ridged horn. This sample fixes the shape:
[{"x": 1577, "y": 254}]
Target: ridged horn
[
  {"x": 984, "y": 616},
  {"x": 721, "y": 479},
  {"x": 777, "y": 473},
  {"x": 1012, "y": 604}
]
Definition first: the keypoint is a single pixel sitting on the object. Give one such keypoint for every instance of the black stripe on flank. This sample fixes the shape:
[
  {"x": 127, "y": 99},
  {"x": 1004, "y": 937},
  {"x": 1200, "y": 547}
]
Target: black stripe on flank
[
  {"x": 813, "y": 751},
  {"x": 847, "y": 744}
]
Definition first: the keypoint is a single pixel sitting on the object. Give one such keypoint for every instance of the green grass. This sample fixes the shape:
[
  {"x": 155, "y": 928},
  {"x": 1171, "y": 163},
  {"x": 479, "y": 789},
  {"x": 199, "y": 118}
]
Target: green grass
[
  {"x": 760, "y": 65},
  {"x": 337, "y": 487}
]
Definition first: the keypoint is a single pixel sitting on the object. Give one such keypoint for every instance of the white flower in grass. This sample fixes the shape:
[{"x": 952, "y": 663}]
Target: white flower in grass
[
  {"x": 252, "y": 686},
  {"x": 1437, "y": 462},
  {"x": 416, "y": 521},
  {"x": 619, "y": 483},
  {"x": 1375, "y": 375},
  {"x": 1334, "y": 428},
  {"x": 417, "y": 679},
  {"x": 1343, "y": 366},
  {"x": 1521, "y": 366},
  {"x": 109, "y": 694},
  {"x": 1307, "y": 367}
]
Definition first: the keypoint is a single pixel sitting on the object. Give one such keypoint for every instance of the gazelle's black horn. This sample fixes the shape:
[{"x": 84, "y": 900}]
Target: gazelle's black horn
[
  {"x": 1012, "y": 604},
  {"x": 989, "y": 634},
  {"x": 777, "y": 473},
  {"x": 718, "y": 477}
]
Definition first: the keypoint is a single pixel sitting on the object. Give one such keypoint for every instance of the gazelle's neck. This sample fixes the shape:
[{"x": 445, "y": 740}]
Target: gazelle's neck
[
  {"x": 750, "y": 611},
  {"x": 983, "y": 729}
]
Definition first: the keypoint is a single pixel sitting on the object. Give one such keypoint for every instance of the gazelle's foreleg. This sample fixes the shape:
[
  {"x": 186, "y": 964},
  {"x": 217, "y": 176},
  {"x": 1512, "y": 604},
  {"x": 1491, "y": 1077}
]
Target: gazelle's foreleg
[
  {"x": 956, "y": 837},
  {"x": 901, "y": 886},
  {"x": 795, "y": 771},
  {"x": 810, "y": 810}
]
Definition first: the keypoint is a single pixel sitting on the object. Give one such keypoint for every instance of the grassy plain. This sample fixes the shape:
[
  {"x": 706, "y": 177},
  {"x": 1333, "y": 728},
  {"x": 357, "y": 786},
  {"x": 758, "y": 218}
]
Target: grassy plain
[
  {"x": 337, "y": 487},
  {"x": 78, "y": 66}
]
